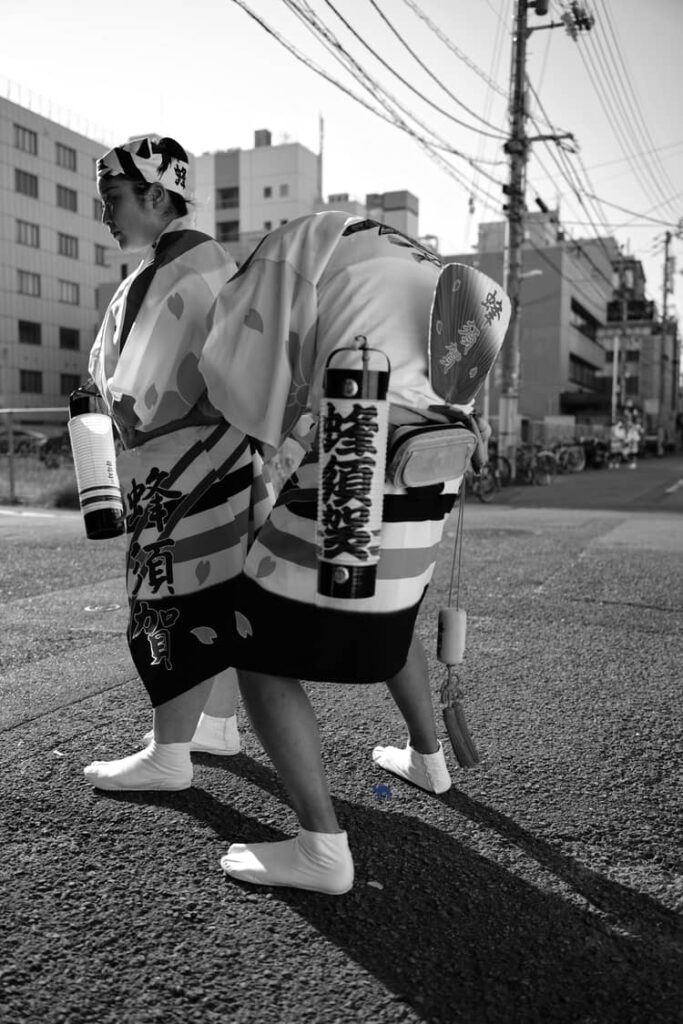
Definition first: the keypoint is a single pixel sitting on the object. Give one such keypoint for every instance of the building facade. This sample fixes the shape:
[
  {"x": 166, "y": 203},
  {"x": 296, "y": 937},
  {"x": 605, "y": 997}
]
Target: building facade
[
  {"x": 241, "y": 194},
  {"x": 576, "y": 298},
  {"x": 642, "y": 351},
  {"x": 565, "y": 291},
  {"x": 54, "y": 254}
]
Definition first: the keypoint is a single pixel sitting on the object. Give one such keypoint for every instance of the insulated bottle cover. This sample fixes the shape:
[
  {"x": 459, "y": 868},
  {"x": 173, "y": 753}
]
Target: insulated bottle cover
[
  {"x": 99, "y": 491},
  {"x": 354, "y": 423}
]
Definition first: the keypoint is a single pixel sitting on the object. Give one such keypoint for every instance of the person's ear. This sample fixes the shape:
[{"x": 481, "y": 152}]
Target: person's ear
[{"x": 156, "y": 194}]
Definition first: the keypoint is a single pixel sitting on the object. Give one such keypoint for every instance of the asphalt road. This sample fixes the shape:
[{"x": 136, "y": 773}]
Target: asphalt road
[{"x": 545, "y": 887}]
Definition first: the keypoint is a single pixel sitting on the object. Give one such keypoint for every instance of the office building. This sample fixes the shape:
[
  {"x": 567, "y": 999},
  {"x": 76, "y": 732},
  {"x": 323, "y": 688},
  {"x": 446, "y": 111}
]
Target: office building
[{"x": 54, "y": 254}]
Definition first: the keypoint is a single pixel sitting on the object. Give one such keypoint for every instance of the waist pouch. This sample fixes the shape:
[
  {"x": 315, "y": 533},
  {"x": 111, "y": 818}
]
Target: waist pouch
[{"x": 423, "y": 455}]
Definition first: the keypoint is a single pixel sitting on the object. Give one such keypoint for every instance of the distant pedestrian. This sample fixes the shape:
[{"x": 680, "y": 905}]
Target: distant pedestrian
[
  {"x": 617, "y": 444},
  {"x": 633, "y": 439}
]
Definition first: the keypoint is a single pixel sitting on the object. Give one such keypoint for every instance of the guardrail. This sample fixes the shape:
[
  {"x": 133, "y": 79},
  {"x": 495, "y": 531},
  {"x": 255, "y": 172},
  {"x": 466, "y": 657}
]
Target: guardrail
[{"x": 21, "y": 436}]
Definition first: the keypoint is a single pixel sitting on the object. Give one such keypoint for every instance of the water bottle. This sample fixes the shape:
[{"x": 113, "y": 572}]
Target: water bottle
[{"x": 99, "y": 491}]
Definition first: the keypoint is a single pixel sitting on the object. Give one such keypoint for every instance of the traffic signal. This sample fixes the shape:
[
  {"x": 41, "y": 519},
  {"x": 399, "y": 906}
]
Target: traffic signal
[{"x": 541, "y": 7}]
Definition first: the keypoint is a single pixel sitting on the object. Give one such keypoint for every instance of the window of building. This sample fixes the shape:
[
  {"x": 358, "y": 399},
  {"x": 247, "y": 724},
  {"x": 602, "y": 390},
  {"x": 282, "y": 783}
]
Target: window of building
[
  {"x": 66, "y": 157},
  {"x": 284, "y": 190},
  {"x": 28, "y": 283},
  {"x": 67, "y": 198},
  {"x": 226, "y": 198},
  {"x": 68, "y": 292},
  {"x": 30, "y": 333},
  {"x": 28, "y": 234},
  {"x": 582, "y": 373},
  {"x": 267, "y": 225},
  {"x": 68, "y": 382},
  {"x": 31, "y": 382},
  {"x": 67, "y": 245},
  {"x": 97, "y": 208},
  {"x": 69, "y": 337},
  {"x": 629, "y": 356},
  {"x": 228, "y": 231},
  {"x": 100, "y": 255},
  {"x": 25, "y": 139},
  {"x": 26, "y": 183},
  {"x": 583, "y": 321},
  {"x": 267, "y": 192}
]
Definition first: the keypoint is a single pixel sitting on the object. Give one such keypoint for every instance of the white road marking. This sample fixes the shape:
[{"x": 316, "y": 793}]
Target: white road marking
[
  {"x": 22, "y": 512},
  {"x": 674, "y": 487}
]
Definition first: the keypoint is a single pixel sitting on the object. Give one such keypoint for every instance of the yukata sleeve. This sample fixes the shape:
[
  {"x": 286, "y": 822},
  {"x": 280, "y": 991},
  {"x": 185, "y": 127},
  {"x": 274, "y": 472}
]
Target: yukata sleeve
[{"x": 259, "y": 358}]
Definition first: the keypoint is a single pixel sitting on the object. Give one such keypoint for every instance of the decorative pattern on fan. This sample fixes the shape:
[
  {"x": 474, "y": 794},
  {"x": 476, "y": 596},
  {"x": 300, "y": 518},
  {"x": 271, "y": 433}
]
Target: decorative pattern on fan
[{"x": 469, "y": 317}]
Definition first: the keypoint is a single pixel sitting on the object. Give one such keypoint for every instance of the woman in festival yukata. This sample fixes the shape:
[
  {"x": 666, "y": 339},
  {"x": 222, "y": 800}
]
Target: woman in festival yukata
[
  {"x": 193, "y": 486},
  {"x": 313, "y": 286}
]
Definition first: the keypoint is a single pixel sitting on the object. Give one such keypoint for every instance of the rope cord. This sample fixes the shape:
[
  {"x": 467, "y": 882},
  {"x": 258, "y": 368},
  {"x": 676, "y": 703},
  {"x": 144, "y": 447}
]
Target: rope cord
[{"x": 457, "y": 550}]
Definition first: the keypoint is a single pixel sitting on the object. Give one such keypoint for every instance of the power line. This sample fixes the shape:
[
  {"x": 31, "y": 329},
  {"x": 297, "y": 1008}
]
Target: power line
[
  {"x": 454, "y": 49},
  {"x": 641, "y": 216},
  {"x": 612, "y": 90},
  {"x": 431, "y": 74},
  {"x": 627, "y": 79},
  {"x": 318, "y": 27},
  {"x": 643, "y": 152},
  {"x": 430, "y": 148}
]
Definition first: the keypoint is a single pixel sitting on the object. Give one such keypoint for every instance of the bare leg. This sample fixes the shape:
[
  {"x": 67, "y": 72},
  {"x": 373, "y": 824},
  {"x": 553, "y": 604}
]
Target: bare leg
[
  {"x": 410, "y": 690},
  {"x": 422, "y": 760},
  {"x": 318, "y": 858},
  {"x": 215, "y": 726},
  {"x": 176, "y": 720},
  {"x": 283, "y": 720},
  {"x": 222, "y": 701}
]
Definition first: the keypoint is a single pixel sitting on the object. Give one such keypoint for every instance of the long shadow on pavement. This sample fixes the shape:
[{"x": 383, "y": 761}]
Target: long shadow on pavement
[{"x": 460, "y": 939}]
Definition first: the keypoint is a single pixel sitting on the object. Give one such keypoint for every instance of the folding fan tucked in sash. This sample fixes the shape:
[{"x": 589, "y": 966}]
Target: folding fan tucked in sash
[{"x": 469, "y": 317}]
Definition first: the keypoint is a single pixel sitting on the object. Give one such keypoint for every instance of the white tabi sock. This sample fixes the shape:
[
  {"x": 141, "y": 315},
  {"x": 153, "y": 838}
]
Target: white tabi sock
[
  {"x": 428, "y": 771},
  {"x": 219, "y": 736},
  {"x": 320, "y": 861},
  {"x": 159, "y": 766}
]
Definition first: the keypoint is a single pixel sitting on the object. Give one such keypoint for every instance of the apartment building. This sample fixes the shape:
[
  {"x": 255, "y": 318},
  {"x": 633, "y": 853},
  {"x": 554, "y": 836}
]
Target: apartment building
[
  {"x": 642, "y": 351},
  {"x": 241, "y": 194},
  {"x": 564, "y": 296},
  {"x": 54, "y": 254}
]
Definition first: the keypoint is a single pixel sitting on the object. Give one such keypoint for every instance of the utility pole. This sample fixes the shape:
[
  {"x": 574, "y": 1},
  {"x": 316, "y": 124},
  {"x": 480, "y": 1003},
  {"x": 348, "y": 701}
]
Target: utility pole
[
  {"x": 517, "y": 149},
  {"x": 666, "y": 288},
  {"x": 574, "y": 18},
  {"x": 618, "y": 381}
]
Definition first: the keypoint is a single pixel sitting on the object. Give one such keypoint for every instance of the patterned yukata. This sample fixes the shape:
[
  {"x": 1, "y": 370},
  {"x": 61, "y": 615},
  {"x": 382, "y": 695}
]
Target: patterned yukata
[
  {"x": 307, "y": 289},
  {"x": 193, "y": 485}
]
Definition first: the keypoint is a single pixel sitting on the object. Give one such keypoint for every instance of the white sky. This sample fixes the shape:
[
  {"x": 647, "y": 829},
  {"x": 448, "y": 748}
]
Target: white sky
[{"x": 205, "y": 73}]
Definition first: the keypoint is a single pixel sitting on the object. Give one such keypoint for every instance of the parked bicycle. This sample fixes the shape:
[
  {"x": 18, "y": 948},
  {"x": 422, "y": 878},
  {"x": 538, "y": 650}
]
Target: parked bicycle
[
  {"x": 571, "y": 457},
  {"x": 535, "y": 465},
  {"x": 484, "y": 485}
]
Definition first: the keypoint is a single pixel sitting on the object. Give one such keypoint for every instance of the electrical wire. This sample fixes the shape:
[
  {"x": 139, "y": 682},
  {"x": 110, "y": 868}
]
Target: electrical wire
[
  {"x": 628, "y": 84},
  {"x": 569, "y": 280},
  {"x": 484, "y": 197},
  {"x": 306, "y": 14},
  {"x": 568, "y": 174},
  {"x": 640, "y": 216},
  {"x": 454, "y": 49},
  {"x": 431, "y": 74},
  {"x": 488, "y": 101},
  {"x": 599, "y": 61}
]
